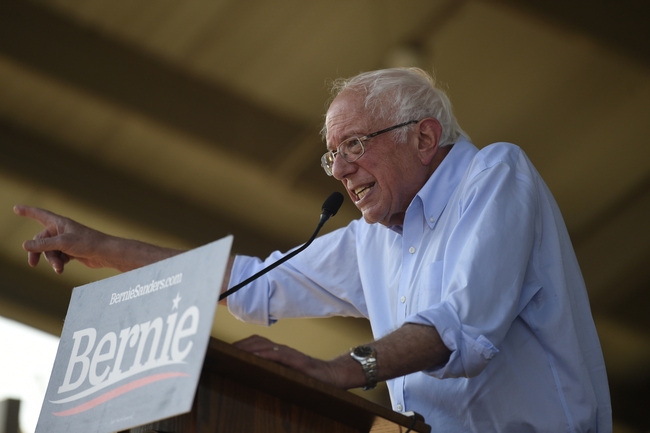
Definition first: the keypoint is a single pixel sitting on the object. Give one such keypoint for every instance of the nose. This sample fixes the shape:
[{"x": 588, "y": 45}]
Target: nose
[{"x": 341, "y": 168}]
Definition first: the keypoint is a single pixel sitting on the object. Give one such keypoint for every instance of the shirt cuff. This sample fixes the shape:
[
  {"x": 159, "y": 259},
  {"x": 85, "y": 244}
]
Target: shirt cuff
[
  {"x": 470, "y": 354},
  {"x": 251, "y": 303}
]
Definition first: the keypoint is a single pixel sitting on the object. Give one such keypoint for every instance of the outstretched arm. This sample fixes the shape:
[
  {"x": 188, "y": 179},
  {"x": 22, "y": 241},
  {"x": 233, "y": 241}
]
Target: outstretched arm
[{"x": 63, "y": 239}]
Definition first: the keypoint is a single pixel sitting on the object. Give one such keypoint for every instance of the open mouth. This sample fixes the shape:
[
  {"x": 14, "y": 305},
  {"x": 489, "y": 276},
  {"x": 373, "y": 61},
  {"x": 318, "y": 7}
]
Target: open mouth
[{"x": 361, "y": 192}]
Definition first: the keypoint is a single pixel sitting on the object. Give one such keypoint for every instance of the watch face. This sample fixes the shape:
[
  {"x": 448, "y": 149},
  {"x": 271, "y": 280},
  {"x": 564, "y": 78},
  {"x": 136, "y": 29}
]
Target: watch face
[{"x": 363, "y": 351}]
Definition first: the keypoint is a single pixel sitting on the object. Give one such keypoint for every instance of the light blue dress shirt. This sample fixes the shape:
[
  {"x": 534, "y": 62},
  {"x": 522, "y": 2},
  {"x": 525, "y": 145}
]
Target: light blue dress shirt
[{"x": 485, "y": 257}]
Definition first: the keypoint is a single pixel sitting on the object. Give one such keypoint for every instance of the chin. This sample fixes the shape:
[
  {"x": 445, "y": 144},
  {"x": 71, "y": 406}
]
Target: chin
[
  {"x": 369, "y": 221},
  {"x": 370, "y": 218}
]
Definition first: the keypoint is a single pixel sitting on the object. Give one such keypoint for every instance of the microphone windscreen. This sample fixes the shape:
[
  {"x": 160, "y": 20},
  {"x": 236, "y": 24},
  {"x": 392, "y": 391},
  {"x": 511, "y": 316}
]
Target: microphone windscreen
[{"x": 333, "y": 203}]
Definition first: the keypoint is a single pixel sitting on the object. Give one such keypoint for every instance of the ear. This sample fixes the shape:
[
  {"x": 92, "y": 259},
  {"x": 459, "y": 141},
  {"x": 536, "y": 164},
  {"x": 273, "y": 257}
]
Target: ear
[{"x": 429, "y": 133}]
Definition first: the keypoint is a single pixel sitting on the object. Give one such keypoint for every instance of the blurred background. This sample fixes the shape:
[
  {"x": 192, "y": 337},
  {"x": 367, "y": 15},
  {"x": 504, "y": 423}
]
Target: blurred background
[{"x": 181, "y": 121}]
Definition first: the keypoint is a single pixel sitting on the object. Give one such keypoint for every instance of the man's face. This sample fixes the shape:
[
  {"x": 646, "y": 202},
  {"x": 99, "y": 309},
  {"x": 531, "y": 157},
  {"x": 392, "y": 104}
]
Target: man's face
[{"x": 385, "y": 179}]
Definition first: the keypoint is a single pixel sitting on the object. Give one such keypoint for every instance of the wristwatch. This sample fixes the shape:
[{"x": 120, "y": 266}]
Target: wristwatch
[{"x": 367, "y": 357}]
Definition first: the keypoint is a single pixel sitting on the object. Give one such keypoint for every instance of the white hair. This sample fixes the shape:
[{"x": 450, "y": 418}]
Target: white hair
[{"x": 400, "y": 95}]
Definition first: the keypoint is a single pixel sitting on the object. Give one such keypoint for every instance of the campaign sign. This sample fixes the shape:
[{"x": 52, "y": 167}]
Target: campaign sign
[{"x": 133, "y": 345}]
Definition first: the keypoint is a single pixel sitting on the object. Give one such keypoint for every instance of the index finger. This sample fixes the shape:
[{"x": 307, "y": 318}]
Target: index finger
[{"x": 41, "y": 215}]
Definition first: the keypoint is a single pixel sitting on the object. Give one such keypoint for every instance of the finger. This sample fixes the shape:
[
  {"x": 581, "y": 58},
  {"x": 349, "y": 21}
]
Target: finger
[
  {"x": 249, "y": 342},
  {"x": 43, "y": 242},
  {"x": 255, "y": 344},
  {"x": 40, "y": 215},
  {"x": 32, "y": 258},
  {"x": 65, "y": 259},
  {"x": 55, "y": 259},
  {"x": 253, "y": 339}
]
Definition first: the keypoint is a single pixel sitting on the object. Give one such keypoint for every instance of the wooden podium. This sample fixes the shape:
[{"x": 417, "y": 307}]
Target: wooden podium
[{"x": 240, "y": 392}]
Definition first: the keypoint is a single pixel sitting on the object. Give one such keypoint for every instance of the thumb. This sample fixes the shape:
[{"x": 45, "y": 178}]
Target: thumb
[{"x": 41, "y": 244}]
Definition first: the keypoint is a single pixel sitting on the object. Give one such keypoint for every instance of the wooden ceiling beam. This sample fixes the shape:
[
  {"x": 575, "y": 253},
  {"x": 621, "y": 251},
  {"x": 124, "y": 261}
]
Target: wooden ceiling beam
[
  {"x": 81, "y": 56},
  {"x": 29, "y": 156},
  {"x": 622, "y": 25}
]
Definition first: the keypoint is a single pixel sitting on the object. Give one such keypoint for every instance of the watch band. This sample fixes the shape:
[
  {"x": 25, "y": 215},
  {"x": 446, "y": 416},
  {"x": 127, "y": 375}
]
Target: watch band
[{"x": 367, "y": 357}]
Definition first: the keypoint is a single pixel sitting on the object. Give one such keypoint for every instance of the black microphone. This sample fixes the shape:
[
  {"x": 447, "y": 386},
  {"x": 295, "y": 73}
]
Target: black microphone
[{"x": 330, "y": 208}]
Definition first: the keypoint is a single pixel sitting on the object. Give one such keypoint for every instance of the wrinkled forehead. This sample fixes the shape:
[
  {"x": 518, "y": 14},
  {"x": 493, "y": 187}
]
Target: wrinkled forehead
[{"x": 346, "y": 117}]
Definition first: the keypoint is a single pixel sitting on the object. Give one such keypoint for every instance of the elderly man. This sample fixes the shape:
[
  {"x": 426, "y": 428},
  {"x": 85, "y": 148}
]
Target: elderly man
[{"x": 462, "y": 263}]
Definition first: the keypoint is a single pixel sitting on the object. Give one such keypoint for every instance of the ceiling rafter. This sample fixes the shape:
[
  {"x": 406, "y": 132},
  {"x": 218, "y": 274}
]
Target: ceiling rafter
[
  {"x": 64, "y": 49},
  {"x": 622, "y": 25},
  {"x": 26, "y": 154}
]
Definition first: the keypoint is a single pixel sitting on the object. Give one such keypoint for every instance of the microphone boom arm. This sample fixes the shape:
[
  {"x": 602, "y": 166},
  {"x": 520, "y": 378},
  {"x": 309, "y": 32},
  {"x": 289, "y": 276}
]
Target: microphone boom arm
[{"x": 330, "y": 207}]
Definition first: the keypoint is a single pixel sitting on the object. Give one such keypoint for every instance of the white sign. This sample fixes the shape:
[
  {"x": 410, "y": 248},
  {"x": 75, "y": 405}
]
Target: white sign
[{"x": 132, "y": 346}]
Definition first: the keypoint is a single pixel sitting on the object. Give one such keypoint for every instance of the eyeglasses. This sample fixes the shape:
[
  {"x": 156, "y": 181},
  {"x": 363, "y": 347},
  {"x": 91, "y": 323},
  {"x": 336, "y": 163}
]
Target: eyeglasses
[{"x": 353, "y": 148}]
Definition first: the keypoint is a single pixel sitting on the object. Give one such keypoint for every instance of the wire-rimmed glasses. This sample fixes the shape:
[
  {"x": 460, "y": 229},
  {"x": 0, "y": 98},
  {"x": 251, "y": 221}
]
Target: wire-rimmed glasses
[{"x": 353, "y": 148}]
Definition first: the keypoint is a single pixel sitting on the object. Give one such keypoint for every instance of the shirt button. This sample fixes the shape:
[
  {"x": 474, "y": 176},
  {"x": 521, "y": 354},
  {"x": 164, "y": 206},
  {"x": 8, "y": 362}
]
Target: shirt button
[
  {"x": 402, "y": 299},
  {"x": 399, "y": 408},
  {"x": 432, "y": 219},
  {"x": 412, "y": 250}
]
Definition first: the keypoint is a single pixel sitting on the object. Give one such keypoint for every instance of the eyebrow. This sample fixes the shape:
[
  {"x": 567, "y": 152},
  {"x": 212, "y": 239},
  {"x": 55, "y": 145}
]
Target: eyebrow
[{"x": 352, "y": 135}]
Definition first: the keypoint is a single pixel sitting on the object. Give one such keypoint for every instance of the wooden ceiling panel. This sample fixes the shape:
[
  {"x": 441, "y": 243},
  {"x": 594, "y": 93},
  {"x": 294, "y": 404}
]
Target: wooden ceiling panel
[{"x": 577, "y": 109}]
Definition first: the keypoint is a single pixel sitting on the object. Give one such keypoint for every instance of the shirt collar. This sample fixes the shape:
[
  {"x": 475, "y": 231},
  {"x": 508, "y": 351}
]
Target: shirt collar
[{"x": 437, "y": 191}]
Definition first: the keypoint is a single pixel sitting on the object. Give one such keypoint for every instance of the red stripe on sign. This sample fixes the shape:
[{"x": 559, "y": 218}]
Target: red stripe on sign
[{"x": 117, "y": 392}]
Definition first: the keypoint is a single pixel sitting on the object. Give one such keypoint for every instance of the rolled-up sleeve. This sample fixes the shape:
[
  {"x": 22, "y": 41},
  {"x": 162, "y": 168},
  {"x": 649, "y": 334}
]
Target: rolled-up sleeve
[
  {"x": 483, "y": 274},
  {"x": 470, "y": 354}
]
